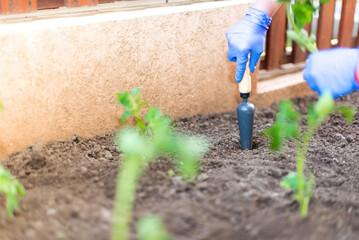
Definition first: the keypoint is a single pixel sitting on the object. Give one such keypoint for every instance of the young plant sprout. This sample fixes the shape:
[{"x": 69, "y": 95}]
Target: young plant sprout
[
  {"x": 300, "y": 12},
  {"x": 286, "y": 126},
  {"x": 10, "y": 188},
  {"x": 153, "y": 136},
  {"x": 152, "y": 228}
]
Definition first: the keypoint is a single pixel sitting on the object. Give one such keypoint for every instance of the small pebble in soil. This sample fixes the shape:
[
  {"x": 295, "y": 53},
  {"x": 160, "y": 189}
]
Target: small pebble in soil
[
  {"x": 30, "y": 233},
  {"x": 37, "y": 161},
  {"x": 108, "y": 155},
  {"x": 50, "y": 211},
  {"x": 83, "y": 170},
  {"x": 106, "y": 215},
  {"x": 338, "y": 135},
  {"x": 351, "y": 138},
  {"x": 203, "y": 177}
]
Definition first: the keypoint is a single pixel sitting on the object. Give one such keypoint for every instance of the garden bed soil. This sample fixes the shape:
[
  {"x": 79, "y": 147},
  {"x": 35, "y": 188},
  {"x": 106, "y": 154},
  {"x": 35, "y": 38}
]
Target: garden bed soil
[{"x": 70, "y": 185}]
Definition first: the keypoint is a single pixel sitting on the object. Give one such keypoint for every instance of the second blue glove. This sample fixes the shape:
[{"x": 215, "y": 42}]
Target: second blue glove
[{"x": 332, "y": 70}]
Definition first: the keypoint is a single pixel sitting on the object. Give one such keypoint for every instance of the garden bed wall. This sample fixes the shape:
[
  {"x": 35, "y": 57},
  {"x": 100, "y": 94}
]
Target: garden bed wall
[{"x": 59, "y": 75}]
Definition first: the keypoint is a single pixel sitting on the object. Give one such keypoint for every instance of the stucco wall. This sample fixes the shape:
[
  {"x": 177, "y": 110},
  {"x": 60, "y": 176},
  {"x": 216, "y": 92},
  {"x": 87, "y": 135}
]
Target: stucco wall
[{"x": 60, "y": 76}]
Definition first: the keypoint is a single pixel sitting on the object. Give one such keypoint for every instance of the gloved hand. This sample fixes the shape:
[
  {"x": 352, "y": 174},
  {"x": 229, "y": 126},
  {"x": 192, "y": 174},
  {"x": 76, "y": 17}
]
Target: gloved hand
[
  {"x": 247, "y": 36},
  {"x": 332, "y": 70}
]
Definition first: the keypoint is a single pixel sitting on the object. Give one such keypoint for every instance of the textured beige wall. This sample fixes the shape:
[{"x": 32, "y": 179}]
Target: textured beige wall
[{"x": 60, "y": 76}]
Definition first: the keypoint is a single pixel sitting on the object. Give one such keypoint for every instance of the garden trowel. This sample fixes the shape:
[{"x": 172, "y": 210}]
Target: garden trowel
[{"x": 245, "y": 112}]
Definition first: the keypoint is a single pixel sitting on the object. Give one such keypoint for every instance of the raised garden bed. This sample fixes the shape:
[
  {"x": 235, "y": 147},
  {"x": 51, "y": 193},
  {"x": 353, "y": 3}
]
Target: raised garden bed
[{"x": 70, "y": 185}]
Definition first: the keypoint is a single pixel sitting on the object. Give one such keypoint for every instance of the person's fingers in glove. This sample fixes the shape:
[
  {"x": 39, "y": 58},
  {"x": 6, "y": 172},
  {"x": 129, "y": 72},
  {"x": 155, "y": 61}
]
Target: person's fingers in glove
[
  {"x": 332, "y": 70},
  {"x": 241, "y": 66},
  {"x": 247, "y": 37}
]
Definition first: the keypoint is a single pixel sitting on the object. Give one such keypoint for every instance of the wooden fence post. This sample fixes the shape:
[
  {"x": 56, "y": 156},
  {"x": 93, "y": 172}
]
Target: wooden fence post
[
  {"x": 276, "y": 40},
  {"x": 345, "y": 37},
  {"x": 17, "y": 6},
  {"x": 81, "y": 3},
  {"x": 325, "y": 25}
]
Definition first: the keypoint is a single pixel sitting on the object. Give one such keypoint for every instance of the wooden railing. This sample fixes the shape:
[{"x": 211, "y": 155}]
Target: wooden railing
[
  {"x": 276, "y": 54},
  {"x": 24, "y": 6}
]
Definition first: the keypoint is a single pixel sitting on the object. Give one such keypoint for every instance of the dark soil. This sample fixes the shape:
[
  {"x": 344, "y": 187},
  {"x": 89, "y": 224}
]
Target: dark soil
[{"x": 70, "y": 186}]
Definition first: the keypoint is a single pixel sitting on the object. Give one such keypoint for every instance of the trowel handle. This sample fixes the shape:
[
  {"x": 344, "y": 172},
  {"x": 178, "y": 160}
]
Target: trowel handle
[{"x": 245, "y": 85}]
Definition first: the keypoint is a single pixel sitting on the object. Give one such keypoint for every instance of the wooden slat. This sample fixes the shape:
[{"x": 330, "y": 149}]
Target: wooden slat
[
  {"x": 24, "y": 4},
  {"x": 84, "y": 3},
  {"x": 16, "y": 6},
  {"x": 4, "y": 6},
  {"x": 48, "y": 4},
  {"x": 81, "y": 3},
  {"x": 325, "y": 25},
  {"x": 276, "y": 40},
  {"x": 346, "y": 23},
  {"x": 33, "y": 5},
  {"x": 297, "y": 54},
  {"x": 71, "y": 3}
]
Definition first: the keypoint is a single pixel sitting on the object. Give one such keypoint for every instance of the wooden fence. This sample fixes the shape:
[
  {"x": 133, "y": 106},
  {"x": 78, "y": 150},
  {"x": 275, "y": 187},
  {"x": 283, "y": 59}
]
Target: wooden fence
[{"x": 276, "y": 54}]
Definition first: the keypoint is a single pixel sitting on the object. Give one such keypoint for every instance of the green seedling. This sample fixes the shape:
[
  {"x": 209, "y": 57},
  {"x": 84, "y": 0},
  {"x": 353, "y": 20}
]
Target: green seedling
[
  {"x": 299, "y": 13},
  {"x": 152, "y": 228},
  {"x": 286, "y": 127},
  {"x": 170, "y": 172},
  {"x": 11, "y": 189},
  {"x": 153, "y": 136}
]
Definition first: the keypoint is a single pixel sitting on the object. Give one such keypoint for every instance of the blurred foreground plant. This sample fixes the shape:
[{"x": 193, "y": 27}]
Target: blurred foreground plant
[
  {"x": 152, "y": 228},
  {"x": 287, "y": 126},
  {"x": 153, "y": 136},
  {"x": 10, "y": 188}
]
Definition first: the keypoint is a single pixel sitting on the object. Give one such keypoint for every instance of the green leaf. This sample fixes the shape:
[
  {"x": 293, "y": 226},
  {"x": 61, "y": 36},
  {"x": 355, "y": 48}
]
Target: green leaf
[
  {"x": 141, "y": 124},
  {"x": 126, "y": 115},
  {"x": 170, "y": 172},
  {"x": 1, "y": 106},
  {"x": 135, "y": 91},
  {"x": 152, "y": 228},
  {"x": 303, "y": 12},
  {"x": 290, "y": 182},
  {"x": 124, "y": 99},
  {"x": 276, "y": 137},
  {"x": 132, "y": 143},
  {"x": 312, "y": 116},
  {"x": 188, "y": 150},
  {"x": 285, "y": 127},
  {"x": 323, "y": 1},
  {"x": 153, "y": 115},
  {"x": 347, "y": 112},
  {"x": 287, "y": 112},
  {"x": 324, "y": 106}
]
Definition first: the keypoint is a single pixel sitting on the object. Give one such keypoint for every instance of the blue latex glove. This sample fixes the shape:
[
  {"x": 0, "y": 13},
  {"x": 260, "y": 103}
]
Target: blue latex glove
[
  {"x": 332, "y": 70},
  {"x": 247, "y": 36}
]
